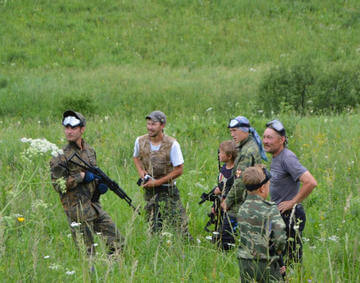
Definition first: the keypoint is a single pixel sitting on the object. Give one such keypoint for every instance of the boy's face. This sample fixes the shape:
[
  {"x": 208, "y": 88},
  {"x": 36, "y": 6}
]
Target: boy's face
[
  {"x": 266, "y": 191},
  {"x": 223, "y": 157}
]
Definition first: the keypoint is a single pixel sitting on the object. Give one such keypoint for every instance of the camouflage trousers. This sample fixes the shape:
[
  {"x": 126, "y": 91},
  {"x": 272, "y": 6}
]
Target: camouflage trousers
[
  {"x": 259, "y": 270},
  {"x": 164, "y": 210},
  {"x": 104, "y": 227}
]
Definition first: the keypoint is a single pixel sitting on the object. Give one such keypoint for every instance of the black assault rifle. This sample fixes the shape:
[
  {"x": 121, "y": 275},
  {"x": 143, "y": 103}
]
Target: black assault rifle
[{"x": 103, "y": 178}]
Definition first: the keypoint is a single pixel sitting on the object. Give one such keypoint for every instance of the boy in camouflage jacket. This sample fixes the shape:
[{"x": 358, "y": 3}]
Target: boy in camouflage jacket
[{"x": 262, "y": 230}]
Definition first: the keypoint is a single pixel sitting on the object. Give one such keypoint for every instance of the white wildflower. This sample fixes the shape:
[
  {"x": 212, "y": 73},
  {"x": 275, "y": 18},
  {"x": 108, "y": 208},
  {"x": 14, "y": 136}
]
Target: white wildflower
[
  {"x": 40, "y": 147},
  {"x": 54, "y": 266},
  {"x": 68, "y": 235},
  {"x": 46, "y": 257},
  {"x": 68, "y": 272},
  {"x": 39, "y": 204},
  {"x": 216, "y": 233},
  {"x": 252, "y": 70},
  {"x": 95, "y": 244},
  {"x": 75, "y": 224},
  {"x": 305, "y": 239},
  {"x": 208, "y": 238},
  {"x": 334, "y": 238},
  {"x": 106, "y": 118},
  {"x": 198, "y": 241},
  {"x": 61, "y": 182},
  {"x": 166, "y": 234},
  {"x": 209, "y": 109},
  {"x": 98, "y": 233}
]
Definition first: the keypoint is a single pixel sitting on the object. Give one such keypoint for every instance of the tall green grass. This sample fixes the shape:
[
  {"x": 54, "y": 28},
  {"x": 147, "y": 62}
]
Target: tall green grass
[
  {"x": 331, "y": 234},
  {"x": 201, "y": 62}
]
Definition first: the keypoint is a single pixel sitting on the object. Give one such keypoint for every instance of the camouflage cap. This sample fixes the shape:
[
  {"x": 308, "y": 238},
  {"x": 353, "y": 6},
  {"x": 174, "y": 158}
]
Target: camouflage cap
[
  {"x": 77, "y": 115},
  {"x": 157, "y": 116}
]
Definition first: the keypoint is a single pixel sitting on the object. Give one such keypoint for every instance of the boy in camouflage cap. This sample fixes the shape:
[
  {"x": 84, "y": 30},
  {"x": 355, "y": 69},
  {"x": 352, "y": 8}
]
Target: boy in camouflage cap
[{"x": 262, "y": 230}]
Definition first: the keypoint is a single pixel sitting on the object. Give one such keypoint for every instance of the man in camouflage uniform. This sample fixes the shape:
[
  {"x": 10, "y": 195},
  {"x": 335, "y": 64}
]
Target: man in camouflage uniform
[
  {"x": 78, "y": 188},
  {"x": 248, "y": 155},
  {"x": 159, "y": 161},
  {"x": 262, "y": 230}
]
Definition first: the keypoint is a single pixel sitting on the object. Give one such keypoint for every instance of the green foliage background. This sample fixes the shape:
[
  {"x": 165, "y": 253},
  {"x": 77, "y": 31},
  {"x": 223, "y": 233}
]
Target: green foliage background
[{"x": 201, "y": 62}]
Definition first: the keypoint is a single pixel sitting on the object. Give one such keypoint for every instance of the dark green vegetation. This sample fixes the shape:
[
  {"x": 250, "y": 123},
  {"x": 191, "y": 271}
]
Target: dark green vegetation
[
  {"x": 201, "y": 62},
  {"x": 88, "y": 53}
]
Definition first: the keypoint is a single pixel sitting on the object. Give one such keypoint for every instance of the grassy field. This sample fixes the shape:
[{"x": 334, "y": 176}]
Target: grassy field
[{"x": 200, "y": 62}]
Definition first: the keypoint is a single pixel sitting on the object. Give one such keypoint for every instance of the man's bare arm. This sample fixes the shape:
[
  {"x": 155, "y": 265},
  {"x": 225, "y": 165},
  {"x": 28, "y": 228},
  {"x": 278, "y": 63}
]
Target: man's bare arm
[
  {"x": 139, "y": 167},
  {"x": 308, "y": 184},
  {"x": 178, "y": 170}
]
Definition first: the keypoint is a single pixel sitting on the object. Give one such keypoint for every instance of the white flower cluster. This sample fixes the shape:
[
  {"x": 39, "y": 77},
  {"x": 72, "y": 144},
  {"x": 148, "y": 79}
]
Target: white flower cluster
[
  {"x": 61, "y": 182},
  {"x": 40, "y": 147},
  {"x": 39, "y": 204}
]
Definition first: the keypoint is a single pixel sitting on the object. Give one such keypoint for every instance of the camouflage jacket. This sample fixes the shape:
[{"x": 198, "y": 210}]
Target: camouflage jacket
[
  {"x": 262, "y": 229},
  {"x": 248, "y": 155},
  {"x": 75, "y": 195}
]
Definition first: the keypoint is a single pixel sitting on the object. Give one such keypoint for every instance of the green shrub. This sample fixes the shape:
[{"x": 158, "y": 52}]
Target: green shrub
[
  {"x": 305, "y": 88},
  {"x": 287, "y": 86},
  {"x": 336, "y": 90},
  {"x": 83, "y": 104}
]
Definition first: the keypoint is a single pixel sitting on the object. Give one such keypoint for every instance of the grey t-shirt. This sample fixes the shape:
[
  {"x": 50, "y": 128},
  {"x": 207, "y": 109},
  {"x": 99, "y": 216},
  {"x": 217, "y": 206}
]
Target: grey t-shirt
[{"x": 285, "y": 171}]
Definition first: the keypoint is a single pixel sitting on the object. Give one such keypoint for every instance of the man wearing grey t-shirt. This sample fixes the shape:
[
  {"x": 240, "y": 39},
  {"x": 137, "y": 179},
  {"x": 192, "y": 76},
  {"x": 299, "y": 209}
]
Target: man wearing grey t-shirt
[{"x": 287, "y": 174}]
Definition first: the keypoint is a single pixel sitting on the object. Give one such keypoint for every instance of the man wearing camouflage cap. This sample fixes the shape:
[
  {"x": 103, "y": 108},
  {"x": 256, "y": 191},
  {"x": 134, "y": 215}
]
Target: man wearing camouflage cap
[
  {"x": 159, "y": 161},
  {"x": 83, "y": 210}
]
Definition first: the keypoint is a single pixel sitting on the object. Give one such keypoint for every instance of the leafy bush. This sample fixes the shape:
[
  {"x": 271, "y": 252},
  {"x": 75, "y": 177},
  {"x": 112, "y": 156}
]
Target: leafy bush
[
  {"x": 83, "y": 104},
  {"x": 306, "y": 88},
  {"x": 289, "y": 86},
  {"x": 336, "y": 90}
]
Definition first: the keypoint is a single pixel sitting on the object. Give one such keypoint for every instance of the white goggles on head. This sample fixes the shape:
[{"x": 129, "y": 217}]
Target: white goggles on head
[{"x": 71, "y": 121}]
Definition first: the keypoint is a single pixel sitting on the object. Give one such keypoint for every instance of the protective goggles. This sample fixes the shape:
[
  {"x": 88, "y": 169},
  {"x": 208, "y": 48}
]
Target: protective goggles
[
  {"x": 233, "y": 123},
  {"x": 277, "y": 126},
  {"x": 254, "y": 187},
  {"x": 71, "y": 121}
]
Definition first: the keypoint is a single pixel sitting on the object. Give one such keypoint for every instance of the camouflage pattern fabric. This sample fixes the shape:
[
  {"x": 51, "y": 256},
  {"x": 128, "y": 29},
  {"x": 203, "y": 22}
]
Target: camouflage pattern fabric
[
  {"x": 262, "y": 231},
  {"x": 164, "y": 210},
  {"x": 76, "y": 196},
  {"x": 248, "y": 155}
]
